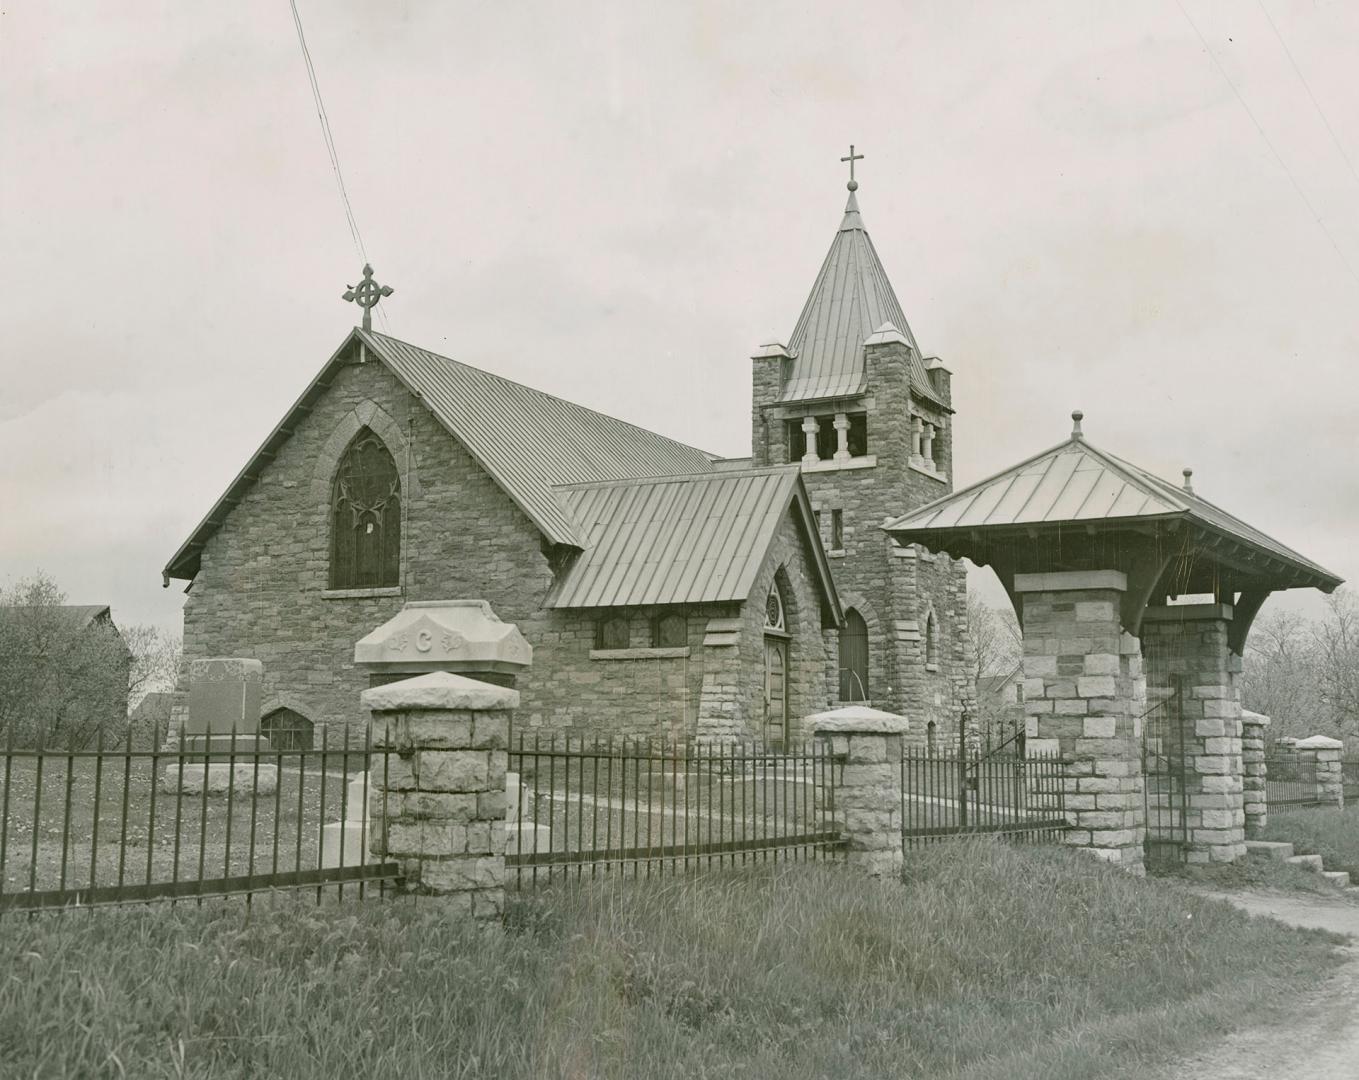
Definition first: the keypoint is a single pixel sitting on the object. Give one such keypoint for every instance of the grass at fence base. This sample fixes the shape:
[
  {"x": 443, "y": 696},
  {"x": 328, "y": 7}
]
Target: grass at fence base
[
  {"x": 1333, "y": 834},
  {"x": 990, "y": 962},
  {"x": 1248, "y": 873}
]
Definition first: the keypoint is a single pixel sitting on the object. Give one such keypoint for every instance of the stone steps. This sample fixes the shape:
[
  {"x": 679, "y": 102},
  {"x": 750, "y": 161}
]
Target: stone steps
[
  {"x": 1307, "y": 862},
  {"x": 1337, "y": 877},
  {"x": 1283, "y": 852},
  {"x": 1269, "y": 849}
]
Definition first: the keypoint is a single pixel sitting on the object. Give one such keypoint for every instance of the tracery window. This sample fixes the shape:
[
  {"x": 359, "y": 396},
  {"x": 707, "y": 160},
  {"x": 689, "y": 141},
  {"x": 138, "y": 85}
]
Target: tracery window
[
  {"x": 365, "y": 544},
  {"x": 774, "y": 618},
  {"x": 669, "y": 631},
  {"x": 612, "y": 632}
]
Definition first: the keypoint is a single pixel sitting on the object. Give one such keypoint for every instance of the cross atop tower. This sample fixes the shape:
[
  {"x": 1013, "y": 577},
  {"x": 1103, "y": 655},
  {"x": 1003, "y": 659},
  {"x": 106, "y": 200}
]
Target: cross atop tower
[
  {"x": 366, "y": 294},
  {"x": 853, "y": 184}
]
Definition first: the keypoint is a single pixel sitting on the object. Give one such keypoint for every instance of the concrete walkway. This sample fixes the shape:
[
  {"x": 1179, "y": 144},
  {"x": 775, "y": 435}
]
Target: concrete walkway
[{"x": 1323, "y": 1044}]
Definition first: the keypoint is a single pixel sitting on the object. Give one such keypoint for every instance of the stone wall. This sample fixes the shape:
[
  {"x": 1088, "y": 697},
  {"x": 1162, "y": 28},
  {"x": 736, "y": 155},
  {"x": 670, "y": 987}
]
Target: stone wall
[{"x": 262, "y": 590}]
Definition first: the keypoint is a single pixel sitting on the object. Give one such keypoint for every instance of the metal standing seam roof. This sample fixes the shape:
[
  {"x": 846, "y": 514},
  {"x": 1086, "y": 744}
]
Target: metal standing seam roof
[
  {"x": 1077, "y": 482},
  {"x": 526, "y": 440},
  {"x": 681, "y": 539},
  {"x": 850, "y": 300}
]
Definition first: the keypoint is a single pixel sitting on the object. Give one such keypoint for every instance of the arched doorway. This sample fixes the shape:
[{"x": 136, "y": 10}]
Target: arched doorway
[
  {"x": 775, "y": 668},
  {"x": 854, "y": 657},
  {"x": 287, "y": 729}
]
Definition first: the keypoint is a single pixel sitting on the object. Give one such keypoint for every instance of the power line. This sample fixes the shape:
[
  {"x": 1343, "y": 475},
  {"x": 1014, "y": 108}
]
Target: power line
[
  {"x": 1307, "y": 86},
  {"x": 1277, "y": 156},
  {"x": 329, "y": 138}
]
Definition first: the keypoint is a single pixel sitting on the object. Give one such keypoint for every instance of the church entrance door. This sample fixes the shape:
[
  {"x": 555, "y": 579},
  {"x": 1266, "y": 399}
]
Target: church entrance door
[{"x": 775, "y": 690}]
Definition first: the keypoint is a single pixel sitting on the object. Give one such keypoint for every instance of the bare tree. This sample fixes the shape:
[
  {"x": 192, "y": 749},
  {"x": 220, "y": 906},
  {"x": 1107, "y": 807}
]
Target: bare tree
[
  {"x": 995, "y": 637},
  {"x": 1337, "y": 662}
]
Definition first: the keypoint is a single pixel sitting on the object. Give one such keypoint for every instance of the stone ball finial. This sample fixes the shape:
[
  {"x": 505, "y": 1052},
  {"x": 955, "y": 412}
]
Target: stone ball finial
[
  {"x": 1188, "y": 477},
  {"x": 1076, "y": 417},
  {"x": 853, "y": 185}
]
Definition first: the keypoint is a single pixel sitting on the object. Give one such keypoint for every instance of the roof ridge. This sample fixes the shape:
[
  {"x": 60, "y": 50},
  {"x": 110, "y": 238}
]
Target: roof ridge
[{"x": 535, "y": 390}]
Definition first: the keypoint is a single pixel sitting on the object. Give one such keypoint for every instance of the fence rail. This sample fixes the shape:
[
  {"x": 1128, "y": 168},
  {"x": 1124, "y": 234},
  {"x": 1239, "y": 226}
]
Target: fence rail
[
  {"x": 1290, "y": 782},
  {"x": 646, "y": 807},
  {"x": 1349, "y": 777},
  {"x": 946, "y": 795},
  {"x": 116, "y": 826}
]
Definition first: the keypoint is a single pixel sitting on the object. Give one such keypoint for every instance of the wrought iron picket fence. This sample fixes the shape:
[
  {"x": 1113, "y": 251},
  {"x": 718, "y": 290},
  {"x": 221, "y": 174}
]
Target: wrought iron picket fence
[
  {"x": 965, "y": 793},
  {"x": 1290, "y": 782},
  {"x": 644, "y": 807},
  {"x": 1349, "y": 778},
  {"x": 107, "y": 825}
]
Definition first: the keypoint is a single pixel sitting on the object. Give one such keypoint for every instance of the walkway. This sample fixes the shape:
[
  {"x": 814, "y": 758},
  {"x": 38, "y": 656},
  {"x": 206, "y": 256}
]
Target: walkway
[{"x": 1324, "y": 1043}]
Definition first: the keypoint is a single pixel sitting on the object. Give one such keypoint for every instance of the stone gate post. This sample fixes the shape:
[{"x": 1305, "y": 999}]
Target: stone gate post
[
  {"x": 1255, "y": 772},
  {"x": 1083, "y": 690},
  {"x": 442, "y": 783},
  {"x": 1324, "y": 755},
  {"x": 865, "y": 746}
]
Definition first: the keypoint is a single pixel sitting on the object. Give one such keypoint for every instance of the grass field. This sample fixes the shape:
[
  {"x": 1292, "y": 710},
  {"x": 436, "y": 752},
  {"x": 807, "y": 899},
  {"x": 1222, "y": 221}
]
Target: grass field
[
  {"x": 989, "y": 962},
  {"x": 1332, "y": 834}
]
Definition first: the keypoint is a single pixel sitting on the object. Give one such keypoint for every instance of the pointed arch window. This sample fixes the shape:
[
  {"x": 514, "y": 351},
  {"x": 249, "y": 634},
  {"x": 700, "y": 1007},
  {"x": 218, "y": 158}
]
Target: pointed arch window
[
  {"x": 774, "y": 617},
  {"x": 854, "y": 657},
  {"x": 365, "y": 531}
]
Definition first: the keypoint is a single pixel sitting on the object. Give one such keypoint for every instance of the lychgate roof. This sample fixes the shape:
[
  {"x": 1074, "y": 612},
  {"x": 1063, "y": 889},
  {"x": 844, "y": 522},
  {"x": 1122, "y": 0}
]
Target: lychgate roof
[
  {"x": 850, "y": 300},
  {"x": 1078, "y": 483},
  {"x": 527, "y": 440},
  {"x": 683, "y": 539}
]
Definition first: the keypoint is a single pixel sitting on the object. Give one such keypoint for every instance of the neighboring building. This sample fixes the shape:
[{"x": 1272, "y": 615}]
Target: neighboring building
[
  {"x": 152, "y": 713},
  {"x": 1000, "y": 709},
  {"x": 665, "y": 591}
]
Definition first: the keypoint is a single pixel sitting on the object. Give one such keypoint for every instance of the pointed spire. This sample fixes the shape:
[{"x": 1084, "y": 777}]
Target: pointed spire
[{"x": 851, "y": 220}]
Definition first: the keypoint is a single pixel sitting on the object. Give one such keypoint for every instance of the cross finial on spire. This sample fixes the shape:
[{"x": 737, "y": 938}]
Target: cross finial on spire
[
  {"x": 366, "y": 294},
  {"x": 853, "y": 184}
]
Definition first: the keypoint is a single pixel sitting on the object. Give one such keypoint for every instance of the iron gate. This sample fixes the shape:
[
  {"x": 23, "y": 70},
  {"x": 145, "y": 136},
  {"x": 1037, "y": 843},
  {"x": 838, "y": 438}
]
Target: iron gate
[{"x": 1164, "y": 794}]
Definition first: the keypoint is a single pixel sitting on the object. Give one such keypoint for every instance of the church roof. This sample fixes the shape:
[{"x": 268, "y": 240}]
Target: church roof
[
  {"x": 526, "y": 440},
  {"x": 850, "y": 301},
  {"x": 684, "y": 539},
  {"x": 1075, "y": 482}
]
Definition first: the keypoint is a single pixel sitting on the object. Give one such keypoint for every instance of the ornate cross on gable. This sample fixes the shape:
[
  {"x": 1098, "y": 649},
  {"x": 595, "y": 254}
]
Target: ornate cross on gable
[
  {"x": 853, "y": 157},
  {"x": 367, "y": 293}
]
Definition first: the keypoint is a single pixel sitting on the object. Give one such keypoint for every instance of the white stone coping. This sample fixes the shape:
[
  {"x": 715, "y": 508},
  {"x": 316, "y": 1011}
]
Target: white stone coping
[
  {"x": 1072, "y": 581},
  {"x": 868, "y": 461},
  {"x": 1319, "y": 742},
  {"x": 886, "y": 334},
  {"x": 857, "y": 720},
  {"x": 465, "y": 632},
  {"x": 771, "y": 349},
  {"x": 933, "y": 474},
  {"x": 1187, "y": 612},
  {"x": 361, "y": 594},
  {"x": 1258, "y": 719},
  {"x": 439, "y": 690}
]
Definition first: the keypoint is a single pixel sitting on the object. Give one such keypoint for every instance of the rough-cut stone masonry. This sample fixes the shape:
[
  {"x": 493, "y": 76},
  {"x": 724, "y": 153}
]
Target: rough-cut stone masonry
[{"x": 262, "y": 589}]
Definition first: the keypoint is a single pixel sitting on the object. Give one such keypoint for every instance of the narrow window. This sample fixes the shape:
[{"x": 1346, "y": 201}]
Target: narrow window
[
  {"x": 858, "y": 434},
  {"x": 612, "y": 632},
  {"x": 827, "y": 440},
  {"x": 931, "y": 640},
  {"x": 365, "y": 546},
  {"x": 854, "y": 657},
  {"x": 796, "y": 440},
  {"x": 932, "y": 738},
  {"x": 669, "y": 631},
  {"x": 837, "y": 530}
]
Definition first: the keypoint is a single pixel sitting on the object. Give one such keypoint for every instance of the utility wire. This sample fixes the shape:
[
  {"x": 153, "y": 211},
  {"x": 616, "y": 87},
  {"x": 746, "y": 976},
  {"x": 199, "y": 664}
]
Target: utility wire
[
  {"x": 1307, "y": 86},
  {"x": 329, "y": 138},
  {"x": 1277, "y": 156}
]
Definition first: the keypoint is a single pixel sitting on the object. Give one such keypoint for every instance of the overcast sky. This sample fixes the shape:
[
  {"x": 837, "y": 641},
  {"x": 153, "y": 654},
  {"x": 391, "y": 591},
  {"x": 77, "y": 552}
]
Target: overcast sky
[{"x": 619, "y": 202}]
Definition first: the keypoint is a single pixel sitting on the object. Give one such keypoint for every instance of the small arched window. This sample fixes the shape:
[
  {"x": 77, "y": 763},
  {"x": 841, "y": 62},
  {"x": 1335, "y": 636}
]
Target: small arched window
[
  {"x": 612, "y": 632},
  {"x": 932, "y": 640},
  {"x": 774, "y": 618},
  {"x": 669, "y": 631},
  {"x": 932, "y": 738},
  {"x": 287, "y": 729},
  {"x": 854, "y": 657},
  {"x": 365, "y": 544}
]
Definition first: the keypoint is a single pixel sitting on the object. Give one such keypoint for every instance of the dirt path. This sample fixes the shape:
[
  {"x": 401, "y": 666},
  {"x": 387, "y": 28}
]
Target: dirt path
[{"x": 1324, "y": 1043}]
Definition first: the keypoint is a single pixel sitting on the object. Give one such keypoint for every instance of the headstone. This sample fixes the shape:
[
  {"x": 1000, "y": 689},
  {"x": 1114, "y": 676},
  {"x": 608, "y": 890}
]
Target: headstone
[
  {"x": 224, "y": 707},
  {"x": 345, "y": 843},
  {"x": 523, "y": 834}
]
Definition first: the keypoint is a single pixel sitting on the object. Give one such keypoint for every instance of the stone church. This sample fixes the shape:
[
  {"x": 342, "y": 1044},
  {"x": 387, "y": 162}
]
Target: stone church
[{"x": 664, "y": 590}]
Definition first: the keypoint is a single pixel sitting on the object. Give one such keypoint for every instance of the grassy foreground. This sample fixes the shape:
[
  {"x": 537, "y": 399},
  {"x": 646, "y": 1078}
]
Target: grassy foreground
[
  {"x": 990, "y": 962},
  {"x": 1332, "y": 834}
]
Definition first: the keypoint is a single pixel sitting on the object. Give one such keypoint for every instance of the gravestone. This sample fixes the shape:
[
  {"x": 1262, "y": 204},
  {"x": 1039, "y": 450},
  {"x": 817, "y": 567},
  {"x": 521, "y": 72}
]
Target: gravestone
[
  {"x": 345, "y": 843},
  {"x": 221, "y": 742}
]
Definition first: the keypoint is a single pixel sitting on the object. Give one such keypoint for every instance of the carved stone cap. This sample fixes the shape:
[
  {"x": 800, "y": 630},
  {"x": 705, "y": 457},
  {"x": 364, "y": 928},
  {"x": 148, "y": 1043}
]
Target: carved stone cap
[
  {"x": 439, "y": 690},
  {"x": 1258, "y": 719},
  {"x": 444, "y": 635},
  {"x": 1318, "y": 742},
  {"x": 857, "y": 720}
]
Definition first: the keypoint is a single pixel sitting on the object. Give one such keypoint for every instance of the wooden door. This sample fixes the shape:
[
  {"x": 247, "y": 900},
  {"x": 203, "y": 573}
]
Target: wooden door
[{"x": 775, "y": 691}]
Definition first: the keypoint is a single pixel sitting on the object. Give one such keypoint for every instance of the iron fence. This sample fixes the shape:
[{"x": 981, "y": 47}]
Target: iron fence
[
  {"x": 1290, "y": 782},
  {"x": 962, "y": 793},
  {"x": 1349, "y": 777},
  {"x": 583, "y": 807},
  {"x": 122, "y": 825}
]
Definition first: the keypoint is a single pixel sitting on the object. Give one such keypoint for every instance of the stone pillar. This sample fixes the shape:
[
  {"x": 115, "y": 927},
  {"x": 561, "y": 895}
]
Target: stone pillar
[
  {"x": 927, "y": 447},
  {"x": 809, "y": 429},
  {"x": 440, "y": 780},
  {"x": 917, "y": 437},
  {"x": 1082, "y": 696},
  {"x": 1324, "y": 755},
  {"x": 865, "y": 745},
  {"x": 1254, "y": 773},
  {"x": 1188, "y": 643},
  {"x": 841, "y": 437}
]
